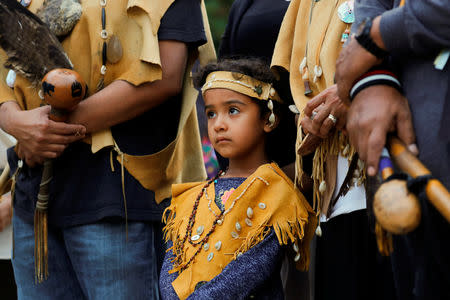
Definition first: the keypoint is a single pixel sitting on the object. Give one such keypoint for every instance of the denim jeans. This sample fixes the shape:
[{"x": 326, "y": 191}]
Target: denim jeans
[{"x": 94, "y": 261}]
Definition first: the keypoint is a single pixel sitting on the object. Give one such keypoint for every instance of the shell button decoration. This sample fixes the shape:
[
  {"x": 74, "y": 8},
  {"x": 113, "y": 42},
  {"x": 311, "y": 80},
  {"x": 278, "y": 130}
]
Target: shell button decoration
[
  {"x": 249, "y": 212},
  {"x": 210, "y": 256},
  {"x": 200, "y": 229},
  {"x": 218, "y": 245}
]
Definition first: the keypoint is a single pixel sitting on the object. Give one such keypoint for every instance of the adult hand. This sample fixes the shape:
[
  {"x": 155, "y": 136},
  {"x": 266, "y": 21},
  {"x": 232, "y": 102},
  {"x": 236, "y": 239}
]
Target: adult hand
[
  {"x": 5, "y": 211},
  {"x": 374, "y": 112},
  {"x": 324, "y": 104},
  {"x": 40, "y": 138},
  {"x": 353, "y": 61}
]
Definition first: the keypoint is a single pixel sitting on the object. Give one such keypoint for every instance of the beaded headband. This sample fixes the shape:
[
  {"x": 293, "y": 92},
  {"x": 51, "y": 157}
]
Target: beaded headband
[{"x": 243, "y": 84}]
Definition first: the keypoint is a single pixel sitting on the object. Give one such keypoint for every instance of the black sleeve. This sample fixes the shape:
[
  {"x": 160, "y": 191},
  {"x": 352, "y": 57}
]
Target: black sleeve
[
  {"x": 224, "y": 46},
  {"x": 235, "y": 10},
  {"x": 183, "y": 22}
]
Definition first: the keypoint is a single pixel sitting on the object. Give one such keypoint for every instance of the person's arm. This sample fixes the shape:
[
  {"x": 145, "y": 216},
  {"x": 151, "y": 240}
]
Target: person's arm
[
  {"x": 5, "y": 211},
  {"x": 417, "y": 28},
  {"x": 121, "y": 101},
  {"x": 181, "y": 28},
  {"x": 379, "y": 109},
  {"x": 244, "y": 275},
  {"x": 348, "y": 69},
  {"x": 370, "y": 9}
]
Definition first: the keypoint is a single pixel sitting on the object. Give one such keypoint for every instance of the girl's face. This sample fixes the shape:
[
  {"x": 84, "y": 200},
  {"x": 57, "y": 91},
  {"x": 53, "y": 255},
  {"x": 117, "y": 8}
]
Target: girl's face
[{"x": 235, "y": 126}]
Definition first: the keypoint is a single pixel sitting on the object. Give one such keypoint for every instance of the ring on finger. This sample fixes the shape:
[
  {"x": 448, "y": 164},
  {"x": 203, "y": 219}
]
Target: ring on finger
[
  {"x": 314, "y": 113},
  {"x": 78, "y": 133},
  {"x": 332, "y": 118}
]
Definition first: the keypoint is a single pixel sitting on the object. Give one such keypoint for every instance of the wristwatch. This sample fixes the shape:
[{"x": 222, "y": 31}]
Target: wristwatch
[{"x": 365, "y": 40}]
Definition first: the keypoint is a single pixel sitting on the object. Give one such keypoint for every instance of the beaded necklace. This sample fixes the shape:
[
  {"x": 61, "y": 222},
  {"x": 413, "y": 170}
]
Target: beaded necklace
[
  {"x": 234, "y": 201},
  {"x": 303, "y": 68},
  {"x": 111, "y": 48},
  {"x": 202, "y": 243},
  {"x": 104, "y": 36},
  {"x": 191, "y": 222}
]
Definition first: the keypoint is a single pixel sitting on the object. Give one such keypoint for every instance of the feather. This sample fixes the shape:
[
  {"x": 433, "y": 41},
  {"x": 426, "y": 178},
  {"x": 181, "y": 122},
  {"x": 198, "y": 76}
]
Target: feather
[{"x": 31, "y": 47}]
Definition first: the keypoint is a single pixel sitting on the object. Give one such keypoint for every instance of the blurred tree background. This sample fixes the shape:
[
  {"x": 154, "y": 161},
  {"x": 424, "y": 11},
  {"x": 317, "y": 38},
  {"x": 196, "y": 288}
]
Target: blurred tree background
[{"x": 217, "y": 15}]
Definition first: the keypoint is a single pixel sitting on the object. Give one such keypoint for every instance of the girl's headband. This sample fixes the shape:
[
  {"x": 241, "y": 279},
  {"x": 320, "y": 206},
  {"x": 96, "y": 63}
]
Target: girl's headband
[
  {"x": 242, "y": 84},
  {"x": 245, "y": 85}
]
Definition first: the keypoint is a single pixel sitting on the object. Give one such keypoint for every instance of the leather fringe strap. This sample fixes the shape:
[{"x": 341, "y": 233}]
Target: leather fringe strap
[
  {"x": 13, "y": 189},
  {"x": 40, "y": 225},
  {"x": 122, "y": 175}
]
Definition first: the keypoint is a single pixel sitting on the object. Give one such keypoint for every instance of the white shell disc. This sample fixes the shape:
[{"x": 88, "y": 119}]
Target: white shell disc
[{"x": 11, "y": 78}]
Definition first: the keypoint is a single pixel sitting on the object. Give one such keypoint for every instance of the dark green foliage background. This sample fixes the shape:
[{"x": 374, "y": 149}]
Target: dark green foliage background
[{"x": 217, "y": 15}]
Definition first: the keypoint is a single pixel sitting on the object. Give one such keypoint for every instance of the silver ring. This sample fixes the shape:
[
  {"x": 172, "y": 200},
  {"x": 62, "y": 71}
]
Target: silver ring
[
  {"x": 332, "y": 118},
  {"x": 313, "y": 115}
]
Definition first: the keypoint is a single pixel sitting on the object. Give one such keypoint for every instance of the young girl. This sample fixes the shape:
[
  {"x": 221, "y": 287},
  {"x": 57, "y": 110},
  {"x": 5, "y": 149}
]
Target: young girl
[{"x": 226, "y": 235}]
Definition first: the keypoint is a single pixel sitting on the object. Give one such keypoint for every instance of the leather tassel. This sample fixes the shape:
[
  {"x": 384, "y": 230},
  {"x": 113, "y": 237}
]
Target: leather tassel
[
  {"x": 384, "y": 240},
  {"x": 305, "y": 77},
  {"x": 13, "y": 190},
  {"x": 40, "y": 225}
]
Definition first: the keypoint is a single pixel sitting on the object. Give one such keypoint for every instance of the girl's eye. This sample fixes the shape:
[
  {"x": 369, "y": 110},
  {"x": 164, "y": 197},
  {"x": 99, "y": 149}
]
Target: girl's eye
[
  {"x": 233, "y": 111},
  {"x": 210, "y": 114}
]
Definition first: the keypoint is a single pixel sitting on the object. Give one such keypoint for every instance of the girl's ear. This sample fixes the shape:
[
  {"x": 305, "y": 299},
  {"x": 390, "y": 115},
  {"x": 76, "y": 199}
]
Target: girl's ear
[{"x": 268, "y": 125}]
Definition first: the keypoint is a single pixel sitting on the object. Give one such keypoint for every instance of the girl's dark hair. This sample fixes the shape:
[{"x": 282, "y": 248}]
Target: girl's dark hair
[{"x": 280, "y": 142}]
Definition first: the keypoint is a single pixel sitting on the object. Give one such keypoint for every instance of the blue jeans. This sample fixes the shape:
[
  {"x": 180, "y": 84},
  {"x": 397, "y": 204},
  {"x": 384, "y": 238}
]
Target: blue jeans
[{"x": 93, "y": 261}]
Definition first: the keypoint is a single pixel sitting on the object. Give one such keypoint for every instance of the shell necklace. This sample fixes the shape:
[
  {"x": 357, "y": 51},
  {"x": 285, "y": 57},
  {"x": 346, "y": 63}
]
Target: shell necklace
[
  {"x": 179, "y": 246},
  {"x": 111, "y": 50},
  {"x": 303, "y": 68}
]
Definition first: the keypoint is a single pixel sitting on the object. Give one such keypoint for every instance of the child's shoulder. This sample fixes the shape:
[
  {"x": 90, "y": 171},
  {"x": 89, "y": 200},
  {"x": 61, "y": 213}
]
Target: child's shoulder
[
  {"x": 272, "y": 172},
  {"x": 267, "y": 179},
  {"x": 186, "y": 189}
]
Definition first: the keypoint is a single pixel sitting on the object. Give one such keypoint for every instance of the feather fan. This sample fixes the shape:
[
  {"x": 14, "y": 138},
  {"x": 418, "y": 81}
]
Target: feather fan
[{"x": 31, "y": 47}]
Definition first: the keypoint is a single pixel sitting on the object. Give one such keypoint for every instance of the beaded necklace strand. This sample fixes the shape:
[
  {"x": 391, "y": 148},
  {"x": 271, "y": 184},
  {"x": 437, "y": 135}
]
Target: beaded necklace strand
[
  {"x": 195, "y": 240},
  {"x": 191, "y": 222},
  {"x": 104, "y": 36}
]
